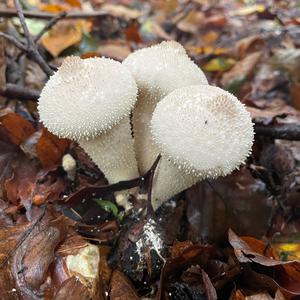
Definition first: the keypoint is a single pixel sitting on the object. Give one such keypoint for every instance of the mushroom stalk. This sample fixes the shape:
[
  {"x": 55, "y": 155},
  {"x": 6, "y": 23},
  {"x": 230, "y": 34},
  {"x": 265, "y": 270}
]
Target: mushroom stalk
[{"x": 112, "y": 152}]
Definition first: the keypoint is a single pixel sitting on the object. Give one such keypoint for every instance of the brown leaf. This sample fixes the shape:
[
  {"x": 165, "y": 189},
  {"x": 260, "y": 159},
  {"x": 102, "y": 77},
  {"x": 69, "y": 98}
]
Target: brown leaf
[
  {"x": 32, "y": 259},
  {"x": 209, "y": 288},
  {"x": 179, "y": 247},
  {"x": 249, "y": 249},
  {"x": 19, "y": 187},
  {"x": 132, "y": 33},
  {"x": 118, "y": 52},
  {"x": 72, "y": 287},
  {"x": 18, "y": 128},
  {"x": 242, "y": 69},
  {"x": 121, "y": 288},
  {"x": 50, "y": 149},
  {"x": 121, "y": 11}
]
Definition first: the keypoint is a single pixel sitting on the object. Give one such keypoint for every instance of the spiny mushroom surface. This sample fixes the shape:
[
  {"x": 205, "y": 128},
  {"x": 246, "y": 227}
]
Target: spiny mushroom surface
[
  {"x": 158, "y": 70},
  {"x": 89, "y": 100},
  {"x": 202, "y": 132}
]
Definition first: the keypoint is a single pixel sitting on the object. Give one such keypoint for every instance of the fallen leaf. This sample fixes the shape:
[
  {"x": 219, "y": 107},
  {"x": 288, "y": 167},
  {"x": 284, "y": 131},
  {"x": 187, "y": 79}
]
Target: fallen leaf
[
  {"x": 209, "y": 288},
  {"x": 65, "y": 34},
  {"x": 121, "y": 11},
  {"x": 121, "y": 288},
  {"x": 118, "y": 52},
  {"x": 132, "y": 33},
  {"x": 219, "y": 64},
  {"x": 18, "y": 128},
  {"x": 50, "y": 149},
  {"x": 247, "y": 10},
  {"x": 73, "y": 285},
  {"x": 242, "y": 69}
]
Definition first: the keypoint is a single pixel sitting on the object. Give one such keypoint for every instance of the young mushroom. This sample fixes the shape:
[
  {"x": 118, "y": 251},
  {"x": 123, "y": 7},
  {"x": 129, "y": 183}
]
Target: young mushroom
[
  {"x": 202, "y": 132},
  {"x": 158, "y": 70},
  {"x": 89, "y": 100}
]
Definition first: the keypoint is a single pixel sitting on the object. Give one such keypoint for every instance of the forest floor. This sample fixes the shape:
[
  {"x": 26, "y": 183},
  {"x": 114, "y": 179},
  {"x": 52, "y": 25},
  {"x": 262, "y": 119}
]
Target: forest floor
[{"x": 232, "y": 238}]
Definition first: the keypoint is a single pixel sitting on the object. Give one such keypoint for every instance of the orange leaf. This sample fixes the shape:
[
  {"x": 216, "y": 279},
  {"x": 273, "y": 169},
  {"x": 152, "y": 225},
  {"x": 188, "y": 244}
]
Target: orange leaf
[
  {"x": 54, "y": 8},
  {"x": 65, "y": 34},
  {"x": 18, "y": 128},
  {"x": 132, "y": 33},
  {"x": 74, "y": 3},
  {"x": 50, "y": 149}
]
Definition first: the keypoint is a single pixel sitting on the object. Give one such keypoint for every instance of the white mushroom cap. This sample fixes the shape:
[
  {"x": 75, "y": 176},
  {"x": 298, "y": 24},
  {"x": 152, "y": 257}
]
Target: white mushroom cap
[
  {"x": 163, "y": 67},
  {"x": 204, "y": 130},
  {"x": 158, "y": 70},
  {"x": 86, "y": 97}
]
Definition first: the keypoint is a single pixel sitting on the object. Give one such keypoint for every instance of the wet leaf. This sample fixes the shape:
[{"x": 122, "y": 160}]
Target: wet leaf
[
  {"x": 18, "y": 128},
  {"x": 121, "y": 288},
  {"x": 108, "y": 206},
  {"x": 219, "y": 64},
  {"x": 50, "y": 149}
]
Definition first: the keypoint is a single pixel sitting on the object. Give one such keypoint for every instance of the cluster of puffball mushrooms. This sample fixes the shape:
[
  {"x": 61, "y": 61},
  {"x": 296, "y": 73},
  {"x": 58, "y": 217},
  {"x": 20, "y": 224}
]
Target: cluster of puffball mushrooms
[{"x": 201, "y": 131}]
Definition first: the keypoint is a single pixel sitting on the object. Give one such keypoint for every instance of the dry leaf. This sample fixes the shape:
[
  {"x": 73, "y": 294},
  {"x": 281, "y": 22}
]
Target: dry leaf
[
  {"x": 121, "y": 11},
  {"x": 65, "y": 34},
  {"x": 242, "y": 69}
]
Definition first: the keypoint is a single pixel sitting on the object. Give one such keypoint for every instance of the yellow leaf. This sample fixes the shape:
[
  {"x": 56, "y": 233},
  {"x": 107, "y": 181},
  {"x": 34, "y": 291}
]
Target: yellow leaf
[
  {"x": 219, "y": 64},
  {"x": 64, "y": 35},
  {"x": 248, "y": 10}
]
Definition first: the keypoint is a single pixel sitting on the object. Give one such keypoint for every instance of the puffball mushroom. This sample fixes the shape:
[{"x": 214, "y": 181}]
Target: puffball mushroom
[
  {"x": 89, "y": 100},
  {"x": 158, "y": 70},
  {"x": 202, "y": 132}
]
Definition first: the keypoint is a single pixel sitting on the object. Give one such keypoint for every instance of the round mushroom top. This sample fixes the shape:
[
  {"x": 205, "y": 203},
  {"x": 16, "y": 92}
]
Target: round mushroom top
[
  {"x": 203, "y": 129},
  {"x": 161, "y": 68},
  {"x": 86, "y": 97}
]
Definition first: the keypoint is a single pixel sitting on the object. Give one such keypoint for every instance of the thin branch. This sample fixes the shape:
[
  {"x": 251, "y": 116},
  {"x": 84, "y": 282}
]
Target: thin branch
[
  {"x": 150, "y": 177},
  {"x": 284, "y": 132},
  {"x": 50, "y": 24},
  {"x": 14, "y": 41},
  {"x": 10, "y": 13},
  {"x": 23, "y": 22},
  {"x": 18, "y": 92}
]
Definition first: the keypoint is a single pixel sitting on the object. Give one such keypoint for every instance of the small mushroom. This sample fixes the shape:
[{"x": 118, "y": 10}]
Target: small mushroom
[
  {"x": 89, "y": 100},
  {"x": 202, "y": 132},
  {"x": 158, "y": 70}
]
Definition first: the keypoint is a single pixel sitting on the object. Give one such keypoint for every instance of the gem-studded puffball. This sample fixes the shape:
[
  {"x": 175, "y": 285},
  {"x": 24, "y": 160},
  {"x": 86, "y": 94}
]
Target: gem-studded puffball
[
  {"x": 86, "y": 97},
  {"x": 157, "y": 70},
  {"x": 163, "y": 67},
  {"x": 204, "y": 130}
]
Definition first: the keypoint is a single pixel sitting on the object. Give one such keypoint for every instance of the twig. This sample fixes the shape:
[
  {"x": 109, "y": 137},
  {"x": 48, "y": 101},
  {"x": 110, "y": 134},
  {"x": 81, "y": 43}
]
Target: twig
[
  {"x": 150, "y": 176},
  {"x": 50, "y": 24},
  {"x": 10, "y": 13},
  {"x": 30, "y": 48},
  {"x": 20, "y": 93},
  {"x": 284, "y": 132},
  {"x": 23, "y": 22},
  {"x": 14, "y": 41}
]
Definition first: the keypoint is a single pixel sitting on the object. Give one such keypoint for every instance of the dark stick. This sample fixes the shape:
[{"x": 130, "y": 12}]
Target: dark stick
[
  {"x": 10, "y": 13},
  {"x": 150, "y": 176},
  {"x": 14, "y": 41},
  {"x": 20, "y": 93},
  {"x": 23, "y": 22},
  {"x": 284, "y": 132},
  {"x": 50, "y": 24}
]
